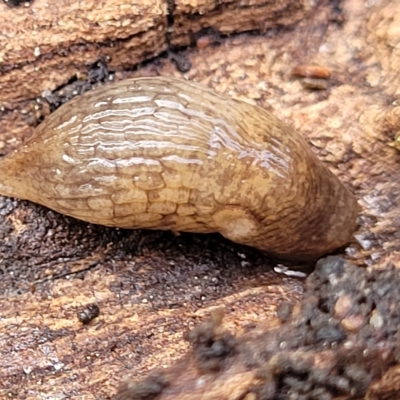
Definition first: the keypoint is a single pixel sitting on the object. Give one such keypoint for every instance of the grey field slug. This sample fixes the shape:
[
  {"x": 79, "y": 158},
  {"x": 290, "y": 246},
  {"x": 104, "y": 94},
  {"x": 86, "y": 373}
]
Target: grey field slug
[{"x": 164, "y": 153}]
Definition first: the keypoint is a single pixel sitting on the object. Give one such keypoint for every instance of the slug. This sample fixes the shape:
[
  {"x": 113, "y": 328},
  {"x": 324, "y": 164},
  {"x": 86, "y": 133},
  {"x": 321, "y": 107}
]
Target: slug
[{"x": 163, "y": 153}]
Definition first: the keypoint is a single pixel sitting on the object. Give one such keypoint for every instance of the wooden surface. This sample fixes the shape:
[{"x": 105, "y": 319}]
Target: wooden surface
[
  {"x": 45, "y": 45},
  {"x": 151, "y": 286},
  {"x": 230, "y": 16}
]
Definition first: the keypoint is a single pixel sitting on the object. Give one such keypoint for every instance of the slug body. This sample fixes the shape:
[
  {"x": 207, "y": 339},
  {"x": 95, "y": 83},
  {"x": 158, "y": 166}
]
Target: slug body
[{"x": 163, "y": 153}]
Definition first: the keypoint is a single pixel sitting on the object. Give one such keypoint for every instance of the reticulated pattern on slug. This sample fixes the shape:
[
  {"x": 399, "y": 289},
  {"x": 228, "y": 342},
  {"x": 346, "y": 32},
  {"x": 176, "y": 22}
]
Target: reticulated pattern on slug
[{"x": 163, "y": 153}]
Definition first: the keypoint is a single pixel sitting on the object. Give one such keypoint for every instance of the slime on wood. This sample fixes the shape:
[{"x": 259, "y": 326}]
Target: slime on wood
[{"x": 163, "y": 153}]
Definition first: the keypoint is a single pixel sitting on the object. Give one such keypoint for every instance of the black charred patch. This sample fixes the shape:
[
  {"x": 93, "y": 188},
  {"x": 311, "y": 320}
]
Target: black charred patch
[
  {"x": 331, "y": 347},
  {"x": 18, "y": 3},
  {"x": 211, "y": 346},
  {"x": 87, "y": 314}
]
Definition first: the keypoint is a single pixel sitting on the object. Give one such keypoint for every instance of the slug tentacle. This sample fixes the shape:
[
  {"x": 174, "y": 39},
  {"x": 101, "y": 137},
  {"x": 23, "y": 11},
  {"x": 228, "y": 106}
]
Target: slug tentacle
[{"x": 163, "y": 153}]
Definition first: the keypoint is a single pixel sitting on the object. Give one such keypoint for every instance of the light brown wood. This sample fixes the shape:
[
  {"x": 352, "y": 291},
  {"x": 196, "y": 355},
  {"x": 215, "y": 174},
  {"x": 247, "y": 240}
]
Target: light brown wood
[
  {"x": 151, "y": 287},
  {"x": 48, "y": 43},
  {"x": 227, "y": 16},
  {"x": 44, "y": 45}
]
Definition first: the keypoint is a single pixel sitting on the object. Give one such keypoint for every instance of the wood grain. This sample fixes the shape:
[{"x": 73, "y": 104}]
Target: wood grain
[
  {"x": 151, "y": 287},
  {"x": 45, "y": 45}
]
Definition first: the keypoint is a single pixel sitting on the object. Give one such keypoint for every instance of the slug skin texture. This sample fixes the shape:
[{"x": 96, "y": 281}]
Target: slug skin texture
[{"x": 164, "y": 153}]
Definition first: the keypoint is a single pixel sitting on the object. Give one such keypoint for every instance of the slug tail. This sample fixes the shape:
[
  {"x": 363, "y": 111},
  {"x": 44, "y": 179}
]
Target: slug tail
[{"x": 12, "y": 182}]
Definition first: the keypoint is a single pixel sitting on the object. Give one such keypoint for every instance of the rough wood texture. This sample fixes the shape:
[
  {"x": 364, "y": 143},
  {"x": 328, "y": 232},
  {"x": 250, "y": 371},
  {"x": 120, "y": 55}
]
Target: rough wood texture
[
  {"x": 230, "y": 16},
  {"x": 151, "y": 287},
  {"x": 329, "y": 346},
  {"x": 43, "y": 46}
]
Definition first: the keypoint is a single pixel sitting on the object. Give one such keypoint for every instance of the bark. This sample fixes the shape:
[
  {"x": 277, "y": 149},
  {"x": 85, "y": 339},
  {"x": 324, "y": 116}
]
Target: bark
[
  {"x": 45, "y": 45},
  {"x": 151, "y": 287}
]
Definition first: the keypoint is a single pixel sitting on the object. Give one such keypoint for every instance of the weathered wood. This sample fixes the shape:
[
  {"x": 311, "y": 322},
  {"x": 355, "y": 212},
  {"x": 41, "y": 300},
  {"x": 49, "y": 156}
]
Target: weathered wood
[
  {"x": 230, "y": 16},
  {"x": 151, "y": 287},
  {"x": 43, "y": 46}
]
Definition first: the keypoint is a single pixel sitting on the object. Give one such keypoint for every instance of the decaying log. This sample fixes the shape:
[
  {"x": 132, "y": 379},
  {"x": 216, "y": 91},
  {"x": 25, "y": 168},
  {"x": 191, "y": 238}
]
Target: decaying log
[
  {"x": 230, "y": 16},
  {"x": 336, "y": 342},
  {"x": 45, "y": 45},
  {"x": 151, "y": 287}
]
